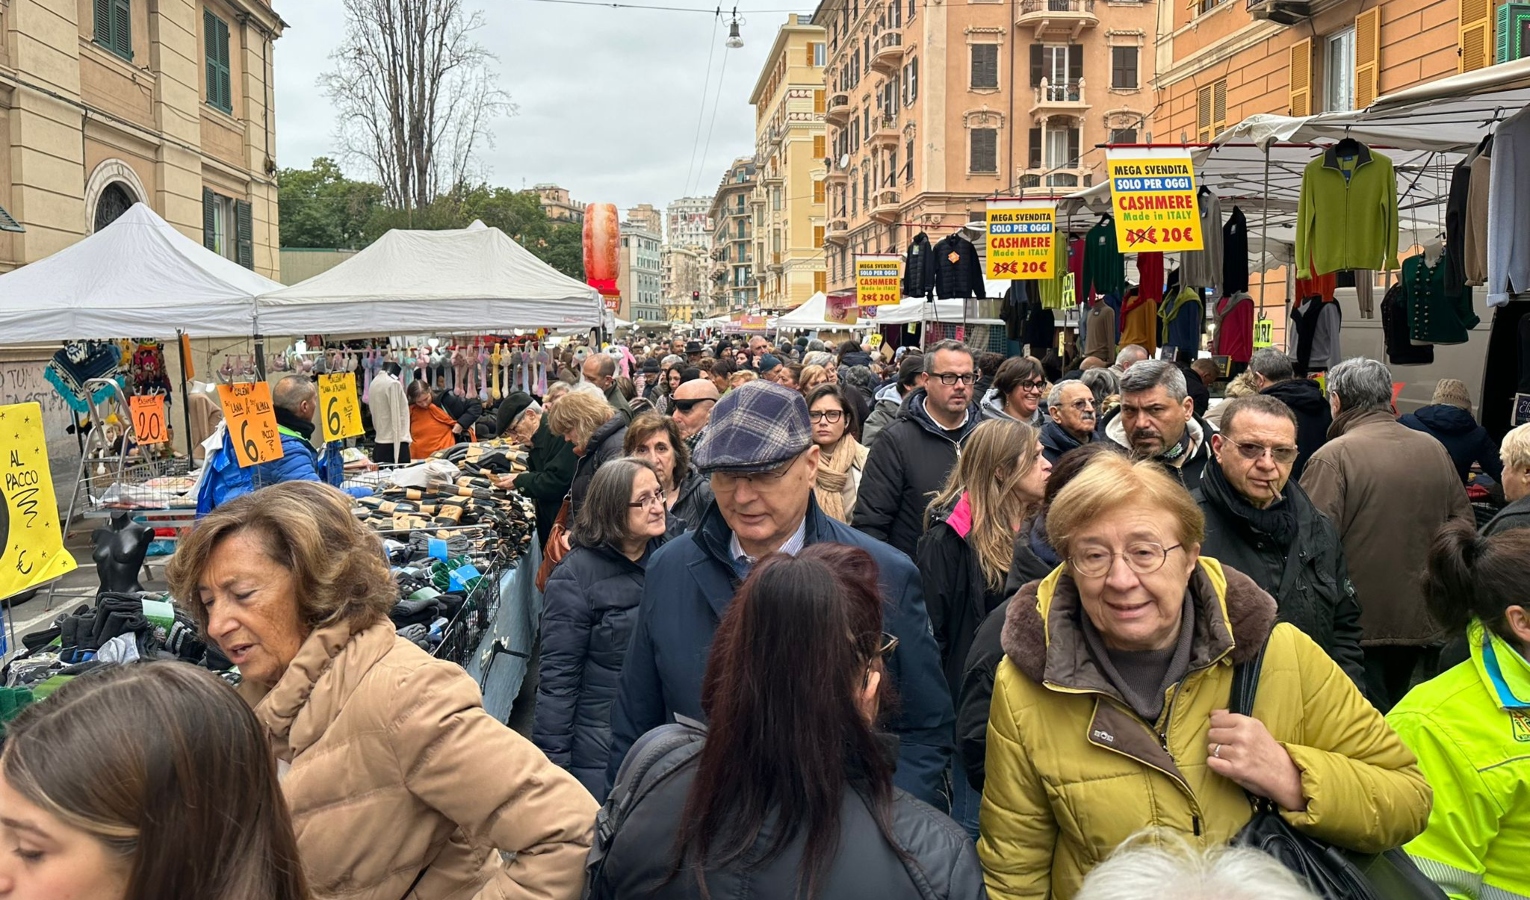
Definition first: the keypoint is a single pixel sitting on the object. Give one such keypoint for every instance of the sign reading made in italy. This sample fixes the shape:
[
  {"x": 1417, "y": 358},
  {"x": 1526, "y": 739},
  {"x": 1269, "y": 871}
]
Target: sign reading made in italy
[
  {"x": 1019, "y": 239},
  {"x": 1152, "y": 195}
]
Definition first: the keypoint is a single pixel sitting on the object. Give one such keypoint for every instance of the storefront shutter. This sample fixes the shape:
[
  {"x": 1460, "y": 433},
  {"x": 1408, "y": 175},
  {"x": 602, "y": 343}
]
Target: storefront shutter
[
  {"x": 1476, "y": 34},
  {"x": 1367, "y": 56},
  {"x": 209, "y": 220},
  {"x": 244, "y": 230},
  {"x": 1301, "y": 78}
]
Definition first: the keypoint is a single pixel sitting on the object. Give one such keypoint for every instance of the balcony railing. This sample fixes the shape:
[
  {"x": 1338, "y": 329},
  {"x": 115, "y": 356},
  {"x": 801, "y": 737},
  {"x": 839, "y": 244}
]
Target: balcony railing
[
  {"x": 886, "y": 206},
  {"x": 887, "y": 52},
  {"x": 1058, "y": 6},
  {"x": 1061, "y": 93},
  {"x": 884, "y": 130},
  {"x": 1067, "y": 15}
]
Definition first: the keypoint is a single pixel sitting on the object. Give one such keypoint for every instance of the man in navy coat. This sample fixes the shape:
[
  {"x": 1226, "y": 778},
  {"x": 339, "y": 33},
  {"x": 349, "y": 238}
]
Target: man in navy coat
[{"x": 759, "y": 453}]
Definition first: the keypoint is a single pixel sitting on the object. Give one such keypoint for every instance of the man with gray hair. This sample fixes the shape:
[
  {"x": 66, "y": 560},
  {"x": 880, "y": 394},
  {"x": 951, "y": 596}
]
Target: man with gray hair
[
  {"x": 1388, "y": 489},
  {"x": 1071, "y": 419},
  {"x": 1274, "y": 375},
  {"x": 1129, "y": 356},
  {"x": 1157, "y": 421}
]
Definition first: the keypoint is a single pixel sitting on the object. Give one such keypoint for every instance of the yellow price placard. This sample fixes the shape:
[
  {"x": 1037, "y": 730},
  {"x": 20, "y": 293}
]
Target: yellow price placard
[
  {"x": 339, "y": 407},
  {"x": 878, "y": 280},
  {"x": 1264, "y": 333},
  {"x": 251, "y": 419},
  {"x": 1152, "y": 195},
  {"x": 1019, "y": 239},
  {"x": 31, "y": 542},
  {"x": 149, "y": 418}
]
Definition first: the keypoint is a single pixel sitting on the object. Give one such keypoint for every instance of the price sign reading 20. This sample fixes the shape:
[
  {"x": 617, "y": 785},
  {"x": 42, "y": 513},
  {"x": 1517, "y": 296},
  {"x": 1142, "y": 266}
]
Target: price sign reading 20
[{"x": 149, "y": 418}]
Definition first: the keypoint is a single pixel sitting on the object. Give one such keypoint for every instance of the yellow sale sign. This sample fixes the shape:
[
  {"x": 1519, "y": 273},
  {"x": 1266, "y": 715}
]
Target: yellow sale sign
[
  {"x": 1019, "y": 239},
  {"x": 878, "y": 280},
  {"x": 1152, "y": 194},
  {"x": 339, "y": 407},
  {"x": 31, "y": 543}
]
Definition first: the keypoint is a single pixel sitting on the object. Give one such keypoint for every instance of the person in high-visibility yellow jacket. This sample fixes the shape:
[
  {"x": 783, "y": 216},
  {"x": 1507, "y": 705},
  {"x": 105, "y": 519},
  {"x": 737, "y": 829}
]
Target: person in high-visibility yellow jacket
[{"x": 1470, "y": 727}]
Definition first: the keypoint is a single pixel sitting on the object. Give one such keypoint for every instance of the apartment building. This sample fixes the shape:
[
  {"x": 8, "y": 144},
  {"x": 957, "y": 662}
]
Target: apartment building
[
  {"x": 106, "y": 103},
  {"x": 789, "y": 200},
  {"x": 651, "y": 219},
  {"x": 933, "y": 107},
  {"x": 557, "y": 203},
  {"x": 640, "y": 274},
  {"x": 1220, "y": 62},
  {"x": 685, "y": 280},
  {"x": 733, "y": 281},
  {"x": 688, "y": 223}
]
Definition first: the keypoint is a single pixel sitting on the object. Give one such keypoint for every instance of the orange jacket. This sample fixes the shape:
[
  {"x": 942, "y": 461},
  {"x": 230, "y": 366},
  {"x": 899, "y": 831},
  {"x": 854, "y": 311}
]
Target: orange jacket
[{"x": 431, "y": 430}]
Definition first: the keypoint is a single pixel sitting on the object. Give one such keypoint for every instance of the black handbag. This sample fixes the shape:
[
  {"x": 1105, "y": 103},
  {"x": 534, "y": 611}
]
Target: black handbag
[{"x": 1333, "y": 873}]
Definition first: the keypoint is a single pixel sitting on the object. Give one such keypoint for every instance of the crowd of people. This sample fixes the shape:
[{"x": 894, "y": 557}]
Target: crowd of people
[{"x": 841, "y": 621}]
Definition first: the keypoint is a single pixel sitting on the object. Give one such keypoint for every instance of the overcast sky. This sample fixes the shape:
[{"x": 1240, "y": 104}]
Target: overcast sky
[{"x": 608, "y": 98}]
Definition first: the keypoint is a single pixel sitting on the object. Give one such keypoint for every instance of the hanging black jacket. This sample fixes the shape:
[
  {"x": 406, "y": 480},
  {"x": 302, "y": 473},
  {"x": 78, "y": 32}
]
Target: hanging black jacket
[
  {"x": 1313, "y": 416},
  {"x": 958, "y": 274},
  {"x": 1317, "y": 596},
  {"x": 1398, "y": 335},
  {"x": 919, "y": 268},
  {"x": 1235, "y": 254},
  {"x": 908, "y": 464}
]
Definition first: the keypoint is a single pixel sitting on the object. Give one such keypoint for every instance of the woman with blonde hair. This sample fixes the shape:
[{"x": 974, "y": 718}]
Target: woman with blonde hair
[
  {"x": 812, "y": 377},
  {"x": 596, "y": 430},
  {"x": 964, "y": 556},
  {"x": 842, "y": 457}
]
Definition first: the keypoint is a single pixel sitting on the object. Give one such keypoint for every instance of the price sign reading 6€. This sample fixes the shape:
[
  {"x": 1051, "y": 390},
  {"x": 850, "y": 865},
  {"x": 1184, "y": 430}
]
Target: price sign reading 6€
[
  {"x": 339, "y": 409},
  {"x": 251, "y": 422},
  {"x": 149, "y": 418}
]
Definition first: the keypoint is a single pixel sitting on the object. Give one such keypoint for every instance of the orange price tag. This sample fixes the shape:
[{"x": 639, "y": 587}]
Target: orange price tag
[
  {"x": 149, "y": 418},
  {"x": 251, "y": 422}
]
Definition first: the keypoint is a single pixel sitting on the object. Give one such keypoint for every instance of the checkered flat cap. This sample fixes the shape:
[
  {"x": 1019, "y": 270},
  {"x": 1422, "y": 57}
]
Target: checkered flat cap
[{"x": 754, "y": 428}]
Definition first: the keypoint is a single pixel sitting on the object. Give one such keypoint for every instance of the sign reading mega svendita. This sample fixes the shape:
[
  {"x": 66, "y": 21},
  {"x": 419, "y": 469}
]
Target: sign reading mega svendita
[
  {"x": 1152, "y": 196},
  {"x": 1019, "y": 239},
  {"x": 878, "y": 280}
]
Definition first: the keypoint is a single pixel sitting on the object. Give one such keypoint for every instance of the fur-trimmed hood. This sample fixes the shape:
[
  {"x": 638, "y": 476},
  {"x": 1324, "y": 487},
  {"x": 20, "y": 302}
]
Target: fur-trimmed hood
[{"x": 1042, "y": 636}]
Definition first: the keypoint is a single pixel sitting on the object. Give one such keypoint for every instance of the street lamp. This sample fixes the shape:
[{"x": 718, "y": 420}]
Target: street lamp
[{"x": 734, "y": 41}]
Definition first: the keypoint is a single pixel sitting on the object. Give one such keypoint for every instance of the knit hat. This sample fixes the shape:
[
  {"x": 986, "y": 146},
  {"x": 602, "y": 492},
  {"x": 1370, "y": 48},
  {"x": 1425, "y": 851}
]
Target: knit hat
[
  {"x": 1452, "y": 392},
  {"x": 768, "y": 362},
  {"x": 754, "y": 428}
]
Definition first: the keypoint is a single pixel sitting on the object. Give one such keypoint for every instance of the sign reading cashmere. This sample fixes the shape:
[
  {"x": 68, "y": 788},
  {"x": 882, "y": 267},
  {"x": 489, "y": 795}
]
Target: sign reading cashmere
[
  {"x": 1019, "y": 239},
  {"x": 1152, "y": 197},
  {"x": 878, "y": 280}
]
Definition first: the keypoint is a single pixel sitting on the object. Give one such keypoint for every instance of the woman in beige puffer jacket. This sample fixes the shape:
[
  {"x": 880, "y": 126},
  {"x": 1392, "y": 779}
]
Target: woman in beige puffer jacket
[{"x": 399, "y": 783}]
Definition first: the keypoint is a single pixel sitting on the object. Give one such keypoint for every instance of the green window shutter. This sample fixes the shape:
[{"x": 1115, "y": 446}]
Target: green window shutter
[
  {"x": 122, "y": 28},
  {"x": 224, "y": 80},
  {"x": 103, "y": 16},
  {"x": 210, "y": 39},
  {"x": 244, "y": 230},
  {"x": 209, "y": 216},
  {"x": 219, "y": 89}
]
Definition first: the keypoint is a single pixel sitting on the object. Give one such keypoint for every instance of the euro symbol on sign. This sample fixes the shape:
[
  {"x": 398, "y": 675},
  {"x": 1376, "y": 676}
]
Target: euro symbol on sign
[
  {"x": 1136, "y": 236},
  {"x": 1006, "y": 268}
]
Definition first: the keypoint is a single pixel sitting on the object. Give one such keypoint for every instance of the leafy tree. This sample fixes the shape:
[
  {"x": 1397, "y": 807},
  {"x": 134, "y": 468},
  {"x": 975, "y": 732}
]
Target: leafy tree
[{"x": 321, "y": 208}]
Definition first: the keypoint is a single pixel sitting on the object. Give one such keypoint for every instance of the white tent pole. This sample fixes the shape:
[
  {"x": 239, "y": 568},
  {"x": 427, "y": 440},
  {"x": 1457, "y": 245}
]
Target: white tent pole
[{"x": 1264, "y": 231}]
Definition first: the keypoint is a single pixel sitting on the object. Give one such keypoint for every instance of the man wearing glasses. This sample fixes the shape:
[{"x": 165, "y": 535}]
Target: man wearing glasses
[
  {"x": 1157, "y": 421},
  {"x": 912, "y": 456},
  {"x": 1070, "y": 406},
  {"x": 1262, "y": 523},
  {"x": 760, "y": 456}
]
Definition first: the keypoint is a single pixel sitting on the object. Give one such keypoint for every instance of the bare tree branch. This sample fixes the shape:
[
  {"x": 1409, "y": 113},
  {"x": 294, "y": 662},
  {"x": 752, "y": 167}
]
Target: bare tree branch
[{"x": 414, "y": 95}]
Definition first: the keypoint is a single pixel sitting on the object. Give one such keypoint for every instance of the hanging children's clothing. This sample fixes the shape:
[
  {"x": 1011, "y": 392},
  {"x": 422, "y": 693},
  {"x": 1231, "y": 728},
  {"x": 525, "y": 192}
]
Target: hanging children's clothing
[
  {"x": 1235, "y": 253},
  {"x": 1203, "y": 268},
  {"x": 1234, "y": 317},
  {"x": 1312, "y": 334},
  {"x": 1180, "y": 322},
  {"x": 1139, "y": 321},
  {"x": 1346, "y": 216},
  {"x": 1401, "y": 349},
  {"x": 1104, "y": 267},
  {"x": 1432, "y": 316}
]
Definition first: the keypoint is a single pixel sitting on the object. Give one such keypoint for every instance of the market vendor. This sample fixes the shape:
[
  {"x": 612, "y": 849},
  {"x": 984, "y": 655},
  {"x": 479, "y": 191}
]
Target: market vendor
[
  {"x": 295, "y": 400},
  {"x": 432, "y": 427}
]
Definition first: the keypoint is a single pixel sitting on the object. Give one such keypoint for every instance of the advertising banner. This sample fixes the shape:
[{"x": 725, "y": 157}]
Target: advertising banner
[
  {"x": 1152, "y": 194},
  {"x": 1019, "y": 239},
  {"x": 878, "y": 280},
  {"x": 840, "y": 309}
]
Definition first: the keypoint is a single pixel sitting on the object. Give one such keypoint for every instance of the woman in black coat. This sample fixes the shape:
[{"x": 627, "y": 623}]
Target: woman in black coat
[
  {"x": 588, "y": 612},
  {"x": 595, "y": 429}
]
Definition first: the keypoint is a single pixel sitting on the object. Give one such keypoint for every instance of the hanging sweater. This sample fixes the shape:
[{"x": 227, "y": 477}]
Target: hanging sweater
[
  {"x": 1104, "y": 267},
  {"x": 1203, "y": 268},
  {"x": 1346, "y": 217},
  {"x": 1139, "y": 322},
  {"x": 1051, "y": 289},
  {"x": 1235, "y": 327},
  {"x": 1181, "y": 322},
  {"x": 1477, "y": 215},
  {"x": 390, "y": 409},
  {"x": 1100, "y": 332},
  {"x": 1150, "y": 275},
  {"x": 1508, "y": 253},
  {"x": 1235, "y": 253}
]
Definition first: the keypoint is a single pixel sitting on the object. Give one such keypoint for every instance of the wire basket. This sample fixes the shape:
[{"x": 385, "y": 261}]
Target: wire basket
[
  {"x": 142, "y": 483},
  {"x": 461, "y": 635}
]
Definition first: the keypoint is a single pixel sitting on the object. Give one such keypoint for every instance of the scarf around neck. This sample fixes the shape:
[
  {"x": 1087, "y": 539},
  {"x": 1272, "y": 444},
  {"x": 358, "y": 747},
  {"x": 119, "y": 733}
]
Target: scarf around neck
[
  {"x": 1277, "y": 522},
  {"x": 287, "y": 419},
  {"x": 834, "y": 475}
]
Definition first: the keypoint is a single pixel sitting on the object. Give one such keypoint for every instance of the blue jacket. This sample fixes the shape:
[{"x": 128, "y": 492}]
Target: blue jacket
[
  {"x": 300, "y": 462},
  {"x": 690, "y": 582},
  {"x": 1465, "y": 440}
]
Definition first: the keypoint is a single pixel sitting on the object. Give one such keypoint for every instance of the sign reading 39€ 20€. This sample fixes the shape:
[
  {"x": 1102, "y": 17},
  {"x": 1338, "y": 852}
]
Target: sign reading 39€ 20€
[
  {"x": 31, "y": 542},
  {"x": 1153, "y": 200}
]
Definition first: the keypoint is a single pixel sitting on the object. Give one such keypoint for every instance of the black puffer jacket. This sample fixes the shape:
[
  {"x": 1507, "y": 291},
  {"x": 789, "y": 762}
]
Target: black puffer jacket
[
  {"x": 588, "y": 612},
  {"x": 942, "y": 863},
  {"x": 695, "y": 498},
  {"x": 1313, "y": 416},
  {"x": 955, "y": 594},
  {"x": 1317, "y": 597},
  {"x": 958, "y": 273},
  {"x": 919, "y": 269},
  {"x": 908, "y": 464},
  {"x": 604, "y": 445}
]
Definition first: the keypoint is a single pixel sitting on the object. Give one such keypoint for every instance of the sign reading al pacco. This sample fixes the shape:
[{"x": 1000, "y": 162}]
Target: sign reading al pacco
[{"x": 1152, "y": 197}]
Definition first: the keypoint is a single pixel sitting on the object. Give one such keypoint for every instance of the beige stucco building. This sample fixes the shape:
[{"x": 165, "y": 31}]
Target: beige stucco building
[
  {"x": 640, "y": 274},
  {"x": 557, "y": 203},
  {"x": 733, "y": 282},
  {"x": 168, "y": 102},
  {"x": 685, "y": 277},
  {"x": 789, "y": 197},
  {"x": 934, "y": 107}
]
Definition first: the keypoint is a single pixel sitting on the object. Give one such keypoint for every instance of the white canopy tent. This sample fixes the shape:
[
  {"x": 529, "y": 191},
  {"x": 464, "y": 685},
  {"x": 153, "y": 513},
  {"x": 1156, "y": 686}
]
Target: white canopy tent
[
  {"x": 914, "y": 310},
  {"x": 137, "y": 277},
  {"x": 810, "y": 316},
  {"x": 454, "y": 280}
]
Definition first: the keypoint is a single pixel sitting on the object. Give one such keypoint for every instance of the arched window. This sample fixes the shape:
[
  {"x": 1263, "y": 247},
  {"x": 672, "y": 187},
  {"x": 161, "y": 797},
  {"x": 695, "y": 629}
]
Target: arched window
[{"x": 113, "y": 202}]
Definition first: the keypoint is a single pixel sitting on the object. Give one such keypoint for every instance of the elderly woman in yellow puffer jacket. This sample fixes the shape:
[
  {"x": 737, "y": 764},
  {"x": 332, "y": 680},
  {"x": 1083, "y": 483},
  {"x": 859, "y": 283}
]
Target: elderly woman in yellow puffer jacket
[{"x": 1109, "y": 711}]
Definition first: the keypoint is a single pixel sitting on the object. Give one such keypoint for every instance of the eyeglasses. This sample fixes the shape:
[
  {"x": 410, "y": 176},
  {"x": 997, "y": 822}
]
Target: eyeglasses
[
  {"x": 727, "y": 481},
  {"x": 1032, "y": 387},
  {"x": 1082, "y": 405},
  {"x": 687, "y": 405},
  {"x": 647, "y": 500},
  {"x": 889, "y": 644},
  {"x": 949, "y": 378},
  {"x": 1142, "y": 557},
  {"x": 826, "y": 415},
  {"x": 1254, "y": 452}
]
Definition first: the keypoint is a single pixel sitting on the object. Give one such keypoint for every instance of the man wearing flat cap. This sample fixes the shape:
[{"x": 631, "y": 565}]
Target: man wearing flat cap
[{"x": 760, "y": 456}]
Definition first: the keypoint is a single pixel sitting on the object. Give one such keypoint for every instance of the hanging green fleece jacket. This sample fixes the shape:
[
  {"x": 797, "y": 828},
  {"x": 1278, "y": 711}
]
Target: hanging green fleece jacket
[
  {"x": 1346, "y": 217},
  {"x": 1470, "y": 729},
  {"x": 1104, "y": 267},
  {"x": 1051, "y": 289}
]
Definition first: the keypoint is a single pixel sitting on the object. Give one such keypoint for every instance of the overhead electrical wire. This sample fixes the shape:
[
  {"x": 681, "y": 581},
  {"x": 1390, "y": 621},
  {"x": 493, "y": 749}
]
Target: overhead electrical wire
[
  {"x": 702, "y": 112},
  {"x": 716, "y": 102}
]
